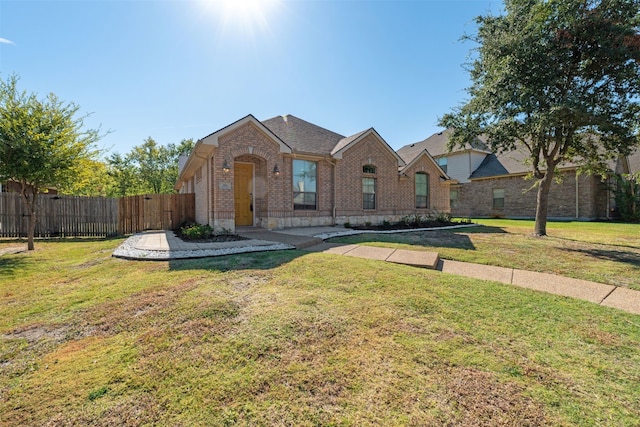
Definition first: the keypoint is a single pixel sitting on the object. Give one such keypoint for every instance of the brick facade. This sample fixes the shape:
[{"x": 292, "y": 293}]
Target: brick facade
[
  {"x": 475, "y": 199},
  {"x": 339, "y": 195}
]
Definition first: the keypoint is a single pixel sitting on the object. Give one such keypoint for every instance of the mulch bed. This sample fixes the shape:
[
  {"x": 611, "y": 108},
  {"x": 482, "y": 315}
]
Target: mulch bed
[
  {"x": 405, "y": 225},
  {"x": 214, "y": 238}
]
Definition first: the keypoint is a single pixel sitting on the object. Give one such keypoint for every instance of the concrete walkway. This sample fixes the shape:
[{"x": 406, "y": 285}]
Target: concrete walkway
[{"x": 166, "y": 246}]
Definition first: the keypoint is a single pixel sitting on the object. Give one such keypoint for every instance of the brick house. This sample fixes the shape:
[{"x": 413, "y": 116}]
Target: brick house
[
  {"x": 485, "y": 184},
  {"x": 286, "y": 172},
  {"x": 15, "y": 187}
]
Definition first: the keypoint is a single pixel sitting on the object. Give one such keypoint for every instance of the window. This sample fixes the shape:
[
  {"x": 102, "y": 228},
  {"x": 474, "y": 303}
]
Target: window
[
  {"x": 422, "y": 190},
  {"x": 498, "y": 198},
  {"x": 368, "y": 169},
  {"x": 453, "y": 198},
  {"x": 368, "y": 193},
  {"x": 304, "y": 185},
  {"x": 443, "y": 162}
]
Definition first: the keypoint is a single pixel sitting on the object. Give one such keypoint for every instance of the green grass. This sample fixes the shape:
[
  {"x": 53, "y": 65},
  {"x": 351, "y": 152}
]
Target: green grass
[
  {"x": 596, "y": 251},
  {"x": 296, "y": 338}
]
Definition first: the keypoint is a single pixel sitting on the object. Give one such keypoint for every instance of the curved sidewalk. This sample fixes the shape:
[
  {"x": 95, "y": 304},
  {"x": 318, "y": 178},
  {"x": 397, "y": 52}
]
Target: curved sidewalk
[{"x": 166, "y": 246}]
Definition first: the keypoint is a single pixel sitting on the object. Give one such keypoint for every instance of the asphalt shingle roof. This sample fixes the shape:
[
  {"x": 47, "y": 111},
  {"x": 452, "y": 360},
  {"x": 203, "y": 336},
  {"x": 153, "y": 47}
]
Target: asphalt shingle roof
[
  {"x": 634, "y": 162},
  {"x": 346, "y": 141},
  {"x": 302, "y": 136},
  {"x": 511, "y": 162},
  {"x": 436, "y": 145}
]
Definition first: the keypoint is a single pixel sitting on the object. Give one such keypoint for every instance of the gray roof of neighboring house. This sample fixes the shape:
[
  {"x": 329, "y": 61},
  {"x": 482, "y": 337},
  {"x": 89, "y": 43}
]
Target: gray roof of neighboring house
[
  {"x": 436, "y": 145},
  {"x": 302, "y": 136},
  {"x": 634, "y": 162},
  {"x": 507, "y": 163}
]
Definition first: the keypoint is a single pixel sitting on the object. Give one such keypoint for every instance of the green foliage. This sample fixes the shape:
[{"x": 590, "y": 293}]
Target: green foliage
[
  {"x": 557, "y": 80},
  {"x": 92, "y": 179},
  {"x": 627, "y": 197},
  {"x": 443, "y": 217},
  {"x": 41, "y": 141},
  {"x": 147, "y": 168},
  {"x": 42, "y": 144},
  {"x": 196, "y": 232}
]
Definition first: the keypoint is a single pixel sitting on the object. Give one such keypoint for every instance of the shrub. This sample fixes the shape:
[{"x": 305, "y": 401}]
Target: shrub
[
  {"x": 444, "y": 217},
  {"x": 627, "y": 197},
  {"x": 196, "y": 232}
]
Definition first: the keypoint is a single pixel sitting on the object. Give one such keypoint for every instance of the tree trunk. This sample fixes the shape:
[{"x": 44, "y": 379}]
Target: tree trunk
[
  {"x": 542, "y": 206},
  {"x": 30, "y": 204},
  {"x": 32, "y": 230}
]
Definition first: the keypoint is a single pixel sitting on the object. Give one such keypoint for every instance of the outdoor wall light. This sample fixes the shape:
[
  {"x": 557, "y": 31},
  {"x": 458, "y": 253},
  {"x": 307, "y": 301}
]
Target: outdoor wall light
[
  {"x": 225, "y": 167},
  {"x": 276, "y": 171}
]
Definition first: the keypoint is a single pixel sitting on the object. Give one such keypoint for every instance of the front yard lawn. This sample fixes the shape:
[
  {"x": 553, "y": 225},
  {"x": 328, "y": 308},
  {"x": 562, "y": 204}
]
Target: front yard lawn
[
  {"x": 597, "y": 251},
  {"x": 304, "y": 339}
]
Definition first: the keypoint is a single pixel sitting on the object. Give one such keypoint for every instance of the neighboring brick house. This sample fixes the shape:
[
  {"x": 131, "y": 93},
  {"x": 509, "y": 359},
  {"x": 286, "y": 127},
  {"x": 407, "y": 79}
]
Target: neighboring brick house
[
  {"x": 286, "y": 172},
  {"x": 484, "y": 184},
  {"x": 15, "y": 187}
]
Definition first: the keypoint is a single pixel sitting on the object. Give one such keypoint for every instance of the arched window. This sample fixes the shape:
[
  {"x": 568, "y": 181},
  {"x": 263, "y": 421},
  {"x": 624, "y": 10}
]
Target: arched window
[{"x": 368, "y": 169}]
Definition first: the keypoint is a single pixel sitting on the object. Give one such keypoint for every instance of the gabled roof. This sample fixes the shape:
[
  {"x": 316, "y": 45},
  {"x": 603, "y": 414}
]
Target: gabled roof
[
  {"x": 517, "y": 163},
  {"x": 436, "y": 145},
  {"x": 212, "y": 138},
  {"x": 443, "y": 174},
  {"x": 634, "y": 161},
  {"x": 302, "y": 136},
  {"x": 344, "y": 144},
  {"x": 511, "y": 162},
  {"x": 205, "y": 146}
]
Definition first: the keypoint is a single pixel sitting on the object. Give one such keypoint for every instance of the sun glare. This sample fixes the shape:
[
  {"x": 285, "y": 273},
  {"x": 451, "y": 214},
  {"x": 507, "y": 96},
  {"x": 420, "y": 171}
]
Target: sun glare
[{"x": 250, "y": 17}]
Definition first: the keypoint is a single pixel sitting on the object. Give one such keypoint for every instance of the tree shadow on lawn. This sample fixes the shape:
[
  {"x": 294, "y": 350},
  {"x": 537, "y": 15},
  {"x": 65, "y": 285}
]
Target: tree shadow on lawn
[
  {"x": 246, "y": 261},
  {"x": 625, "y": 257},
  {"x": 11, "y": 264},
  {"x": 452, "y": 238}
]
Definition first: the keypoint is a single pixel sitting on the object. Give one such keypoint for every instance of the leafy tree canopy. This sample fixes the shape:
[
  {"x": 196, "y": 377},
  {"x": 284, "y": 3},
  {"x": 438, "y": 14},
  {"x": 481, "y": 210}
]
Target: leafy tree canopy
[
  {"x": 42, "y": 143},
  {"x": 147, "y": 168},
  {"x": 558, "y": 79}
]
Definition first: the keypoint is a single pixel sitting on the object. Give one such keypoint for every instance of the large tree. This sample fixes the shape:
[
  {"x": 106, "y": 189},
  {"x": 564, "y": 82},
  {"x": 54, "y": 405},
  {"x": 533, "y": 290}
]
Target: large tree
[
  {"x": 41, "y": 143},
  {"x": 147, "y": 168},
  {"x": 559, "y": 79}
]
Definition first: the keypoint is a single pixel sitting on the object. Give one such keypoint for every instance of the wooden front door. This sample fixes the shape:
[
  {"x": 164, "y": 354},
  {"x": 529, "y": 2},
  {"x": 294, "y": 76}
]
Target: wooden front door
[{"x": 243, "y": 193}]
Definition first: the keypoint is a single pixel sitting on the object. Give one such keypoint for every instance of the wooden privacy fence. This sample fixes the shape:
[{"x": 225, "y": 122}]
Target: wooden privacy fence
[
  {"x": 72, "y": 216},
  {"x": 154, "y": 212}
]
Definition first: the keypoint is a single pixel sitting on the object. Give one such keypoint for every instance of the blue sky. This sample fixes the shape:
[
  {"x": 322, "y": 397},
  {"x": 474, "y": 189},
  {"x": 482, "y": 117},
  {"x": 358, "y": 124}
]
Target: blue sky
[{"x": 174, "y": 69}]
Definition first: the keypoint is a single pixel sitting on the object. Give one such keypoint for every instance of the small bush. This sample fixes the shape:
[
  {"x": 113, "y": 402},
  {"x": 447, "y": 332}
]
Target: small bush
[
  {"x": 196, "y": 232},
  {"x": 347, "y": 225},
  {"x": 444, "y": 217}
]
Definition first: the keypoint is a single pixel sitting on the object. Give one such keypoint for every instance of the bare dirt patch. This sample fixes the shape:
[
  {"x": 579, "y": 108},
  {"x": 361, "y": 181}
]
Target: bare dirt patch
[
  {"x": 12, "y": 250},
  {"x": 479, "y": 399}
]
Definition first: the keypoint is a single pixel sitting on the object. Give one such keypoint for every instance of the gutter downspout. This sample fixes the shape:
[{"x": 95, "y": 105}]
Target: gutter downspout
[
  {"x": 333, "y": 210},
  {"x": 577, "y": 197}
]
